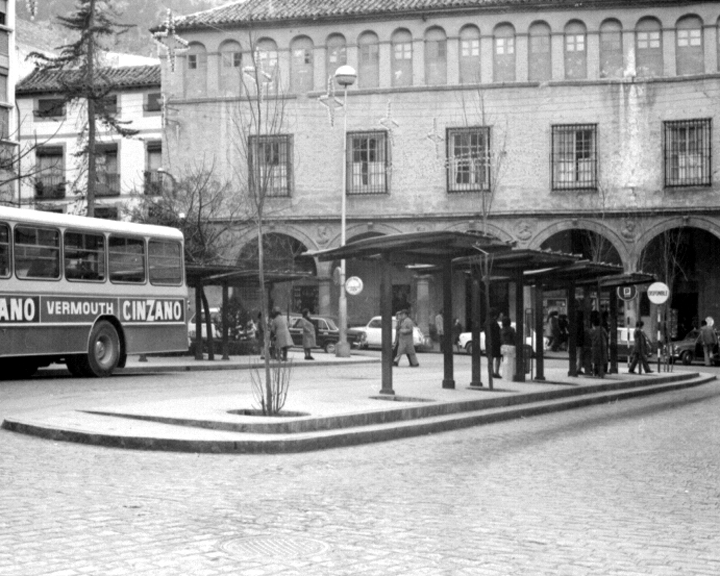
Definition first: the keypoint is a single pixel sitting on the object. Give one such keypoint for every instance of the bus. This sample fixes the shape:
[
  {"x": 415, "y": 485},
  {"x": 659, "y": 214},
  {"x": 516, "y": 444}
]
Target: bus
[{"x": 87, "y": 292}]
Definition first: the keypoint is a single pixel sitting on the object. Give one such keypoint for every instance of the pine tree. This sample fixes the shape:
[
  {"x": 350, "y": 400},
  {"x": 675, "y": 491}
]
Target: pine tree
[{"x": 83, "y": 79}]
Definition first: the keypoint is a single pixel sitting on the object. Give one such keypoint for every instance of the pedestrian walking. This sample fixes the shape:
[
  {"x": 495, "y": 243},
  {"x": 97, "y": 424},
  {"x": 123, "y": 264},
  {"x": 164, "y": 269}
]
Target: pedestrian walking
[
  {"x": 507, "y": 340},
  {"x": 598, "y": 346},
  {"x": 440, "y": 330},
  {"x": 553, "y": 330},
  {"x": 492, "y": 342},
  {"x": 457, "y": 329},
  {"x": 260, "y": 334},
  {"x": 640, "y": 350},
  {"x": 579, "y": 342},
  {"x": 308, "y": 337},
  {"x": 279, "y": 329},
  {"x": 404, "y": 340},
  {"x": 708, "y": 339}
]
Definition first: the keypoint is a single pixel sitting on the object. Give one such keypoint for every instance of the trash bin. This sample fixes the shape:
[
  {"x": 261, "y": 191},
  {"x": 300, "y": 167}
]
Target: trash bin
[{"x": 508, "y": 362}]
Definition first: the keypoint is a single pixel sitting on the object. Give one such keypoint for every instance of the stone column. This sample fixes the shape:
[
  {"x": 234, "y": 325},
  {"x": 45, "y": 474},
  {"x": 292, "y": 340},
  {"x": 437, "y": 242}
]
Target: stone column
[{"x": 422, "y": 303}]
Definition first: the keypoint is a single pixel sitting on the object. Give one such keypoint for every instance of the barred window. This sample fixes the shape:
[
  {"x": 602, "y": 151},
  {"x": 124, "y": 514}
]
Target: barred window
[
  {"x": 468, "y": 159},
  {"x": 574, "y": 156},
  {"x": 367, "y": 163},
  {"x": 687, "y": 152},
  {"x": 270, "y": 165}
]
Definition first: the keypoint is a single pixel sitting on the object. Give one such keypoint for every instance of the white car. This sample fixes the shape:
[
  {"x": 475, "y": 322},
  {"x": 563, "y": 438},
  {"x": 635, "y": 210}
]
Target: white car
[
  {"x": 215, "y": 317},
  {"x": 370, "y": 336},
  {"x": 466, "y": 342}
]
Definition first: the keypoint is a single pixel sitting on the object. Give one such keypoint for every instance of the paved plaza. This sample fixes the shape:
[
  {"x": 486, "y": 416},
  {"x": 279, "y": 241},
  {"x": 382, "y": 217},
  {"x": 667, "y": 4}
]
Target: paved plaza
[{"x": 628, "y": 488}]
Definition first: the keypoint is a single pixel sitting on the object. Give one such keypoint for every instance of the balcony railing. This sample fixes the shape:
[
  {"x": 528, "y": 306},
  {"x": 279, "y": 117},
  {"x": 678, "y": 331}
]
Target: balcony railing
[
  {"x": 108, "y": 184},
  {"x": 49, "y": 187},
  {"x": 156, "y": 183},
  {"x": 57, "y": 112}
]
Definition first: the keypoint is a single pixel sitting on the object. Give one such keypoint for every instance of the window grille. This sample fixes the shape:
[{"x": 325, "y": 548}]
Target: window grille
[
  {"x": 574, "y": 157},
  {"x": 367, "y": 163},
  {"x": 270, "y": 165},
  {"x": 688, "y": 153},
  {"x": 468, "y": 151}
]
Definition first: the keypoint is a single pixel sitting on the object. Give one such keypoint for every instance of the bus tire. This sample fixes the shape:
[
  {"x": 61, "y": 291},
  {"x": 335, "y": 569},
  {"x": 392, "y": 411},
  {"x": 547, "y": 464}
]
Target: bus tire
[{"x": 103, "y": 350}]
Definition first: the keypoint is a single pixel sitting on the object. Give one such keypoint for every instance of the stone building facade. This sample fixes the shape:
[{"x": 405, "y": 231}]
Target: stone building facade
[{"x": 561, "y": 125}]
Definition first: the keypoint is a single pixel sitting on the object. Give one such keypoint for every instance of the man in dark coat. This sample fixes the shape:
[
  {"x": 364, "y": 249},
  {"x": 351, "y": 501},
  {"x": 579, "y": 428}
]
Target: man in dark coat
[
  {"x": 640, "y": 350},
  {"x": 493, "y": 341}
]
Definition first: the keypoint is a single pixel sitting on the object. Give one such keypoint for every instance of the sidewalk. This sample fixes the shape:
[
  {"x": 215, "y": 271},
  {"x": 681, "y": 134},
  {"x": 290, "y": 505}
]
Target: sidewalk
[{"x": 330, "y": 405}]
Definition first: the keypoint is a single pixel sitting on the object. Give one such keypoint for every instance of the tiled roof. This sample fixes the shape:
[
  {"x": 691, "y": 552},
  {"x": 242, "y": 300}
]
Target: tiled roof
[
  {"x": 39, "y": 82},
  {"x": 249, "y": 11}
]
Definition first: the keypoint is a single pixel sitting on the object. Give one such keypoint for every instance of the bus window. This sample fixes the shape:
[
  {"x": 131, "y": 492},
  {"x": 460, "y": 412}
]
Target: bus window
[
  {"x": 126, "y": 257},
  {"x": 4, "y": 250},
  {"x": 37, "y": 252},
  {"x": 165, "y": 261},
  {"x": 84, "y": 256}
]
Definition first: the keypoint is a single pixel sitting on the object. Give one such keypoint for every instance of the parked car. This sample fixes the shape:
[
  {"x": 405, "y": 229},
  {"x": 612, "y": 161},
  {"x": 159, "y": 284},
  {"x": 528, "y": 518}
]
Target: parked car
[
  {"x": 214, "y": 323},
  {"x": 688, "y": 349},
  {"x": 370, "y": 335},
  {"x": 327, "y": 334},
  {"x": 466, "y": 342}
]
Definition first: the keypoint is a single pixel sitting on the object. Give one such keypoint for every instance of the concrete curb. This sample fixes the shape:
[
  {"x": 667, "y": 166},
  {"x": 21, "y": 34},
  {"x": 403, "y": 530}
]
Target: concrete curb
[{"x": 403, "y": 423}]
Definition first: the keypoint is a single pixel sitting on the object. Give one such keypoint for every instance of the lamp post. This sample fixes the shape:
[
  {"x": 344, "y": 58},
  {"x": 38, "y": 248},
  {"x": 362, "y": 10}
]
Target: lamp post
[{"x": 345, "y": 76}]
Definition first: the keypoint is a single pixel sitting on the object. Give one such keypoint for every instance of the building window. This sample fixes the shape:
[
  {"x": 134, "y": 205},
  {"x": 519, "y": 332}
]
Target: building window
[
  {"x": 3, "y": 84},
  {"x": 690, "y": 55},
  {"x": 230, "y": 68},
  {"x": 687, "y": 153},
  {"x": 153, "y": 163},
  {"x": 153, "y": 102},
  {"x": 435, "y": 57},
  {"x": 504, "y": 54},
  {"x": 574, "y": 156},
  {"x": 367, "y": 163},
  {"x": 575, "y": 52},
  {"x": 107, "y": 173},
  {"x": 270, "y": 165},
  {"x": 539, "y": 57},
  {"x": 4, "y": 123},
  {"x": 196, "y": 73},
  {"x": 50, "y": 108},
  {"x": 470, "y": 55},
  {"x": 336, "y": 54},
  {"x": 402, "y": 58},
  {"x": 611, "y": 50},
  {"x": 649, "y": 56},
  {"x": 302, "y": 68},
  {"x": 468, "y": 151},
  {"x": 266, "y": 60},
  {"x": 109, "y": 105},
  {"x": 50, "y": 180},
  {"x": 369, "y": 55},
  {"x": 107, "y": 212}
]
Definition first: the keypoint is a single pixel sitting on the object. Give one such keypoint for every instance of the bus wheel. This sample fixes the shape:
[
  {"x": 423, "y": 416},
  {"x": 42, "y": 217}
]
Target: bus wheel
[{"x": 103, "y": 350}]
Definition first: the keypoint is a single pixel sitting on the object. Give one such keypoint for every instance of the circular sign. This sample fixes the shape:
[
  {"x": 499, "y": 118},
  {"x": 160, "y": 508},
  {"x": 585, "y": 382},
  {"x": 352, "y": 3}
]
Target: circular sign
[
  {"x": 658, "y": 293},
  {"x": 354, "y": 285},
  {"x": 627, "y": 293}
]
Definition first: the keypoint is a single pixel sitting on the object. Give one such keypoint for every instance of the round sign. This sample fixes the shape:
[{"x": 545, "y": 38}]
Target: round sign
[
  {"x": 627, "y": 293},
  {"x": 658, "y": 293},
  {"x": 354, "y": 285}
]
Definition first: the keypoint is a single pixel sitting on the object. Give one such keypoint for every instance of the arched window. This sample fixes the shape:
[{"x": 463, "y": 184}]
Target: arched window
[
  {"x": 575, "y": 51},
  {"x": 196, "y": 71},
  {"x": 504, "y": 53},
  {"x": 612, "y": 62},
  {"x": 648, "y": 48},
  {"x": 469, "y": 54},
  {"x": 539, "y": 57},
  {"x": 301, "y": 65},
  {"x": 266, "y": 60},
  {"x": 435, "y": 56},
  {"x": 369, "y": 60},
  {"x": 689, "y": 53},
  {"x": 230, "y": 68},
  {"x": 335, "y": 53},
  {"x": 402, "y": 58}
]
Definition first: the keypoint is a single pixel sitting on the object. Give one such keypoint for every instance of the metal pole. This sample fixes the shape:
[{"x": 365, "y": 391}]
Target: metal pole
[{"x": 343, "y": 348}]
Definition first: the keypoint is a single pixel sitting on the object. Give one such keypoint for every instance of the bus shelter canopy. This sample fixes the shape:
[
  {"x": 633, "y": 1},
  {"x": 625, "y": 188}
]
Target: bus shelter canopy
[{"x": 218, "y": 275}]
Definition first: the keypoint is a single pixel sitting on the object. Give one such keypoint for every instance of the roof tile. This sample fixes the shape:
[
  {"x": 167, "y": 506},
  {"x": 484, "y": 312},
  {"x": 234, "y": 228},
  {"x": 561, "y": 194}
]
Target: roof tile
[{"x": 39, "y": 81}]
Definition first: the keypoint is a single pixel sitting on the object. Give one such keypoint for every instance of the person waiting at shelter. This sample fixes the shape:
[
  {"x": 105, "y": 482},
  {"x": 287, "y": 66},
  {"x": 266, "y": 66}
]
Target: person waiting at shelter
[
  {"x": 708, "y": 339},
  {"x": 493, "y": 341},
  {"x": 598, "y": 345}
]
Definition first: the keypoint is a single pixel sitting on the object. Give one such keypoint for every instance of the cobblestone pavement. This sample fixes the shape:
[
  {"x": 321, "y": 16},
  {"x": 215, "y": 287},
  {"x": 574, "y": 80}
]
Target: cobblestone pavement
[{"x": 616, "y": 490}]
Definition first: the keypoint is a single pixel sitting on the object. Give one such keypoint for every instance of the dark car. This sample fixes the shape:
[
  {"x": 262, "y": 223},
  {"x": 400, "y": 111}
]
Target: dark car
[
  {"x": 689, "y": 349},
  {"x": 327, "y": 333}
]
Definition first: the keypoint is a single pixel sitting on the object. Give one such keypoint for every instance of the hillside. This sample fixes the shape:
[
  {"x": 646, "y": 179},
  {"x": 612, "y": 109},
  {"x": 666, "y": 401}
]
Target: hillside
[{"x": 142, "y": 13}]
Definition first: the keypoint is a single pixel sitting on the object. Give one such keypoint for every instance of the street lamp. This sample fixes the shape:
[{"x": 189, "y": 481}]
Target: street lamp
[{"x": 345, "y": 76}]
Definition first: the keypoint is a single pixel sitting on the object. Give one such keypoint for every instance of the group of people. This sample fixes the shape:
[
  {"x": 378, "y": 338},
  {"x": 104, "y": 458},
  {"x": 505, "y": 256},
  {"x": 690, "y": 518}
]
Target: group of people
[{"x": 280, "y": 338}]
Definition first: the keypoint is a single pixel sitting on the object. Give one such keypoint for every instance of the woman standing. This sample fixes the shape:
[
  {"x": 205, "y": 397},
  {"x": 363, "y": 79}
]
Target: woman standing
[
  {"x": 279, "y": 328},
  {"x": 308, "y": 329}
]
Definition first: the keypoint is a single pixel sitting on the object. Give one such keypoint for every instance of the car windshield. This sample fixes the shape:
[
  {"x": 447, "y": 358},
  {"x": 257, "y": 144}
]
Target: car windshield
[{"x": 331, "y": 324}]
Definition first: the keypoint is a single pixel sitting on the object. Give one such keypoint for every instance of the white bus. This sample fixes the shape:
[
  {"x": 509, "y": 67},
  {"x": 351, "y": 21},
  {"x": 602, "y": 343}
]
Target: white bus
[{"x": 87, "y": 292}]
